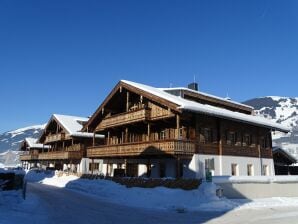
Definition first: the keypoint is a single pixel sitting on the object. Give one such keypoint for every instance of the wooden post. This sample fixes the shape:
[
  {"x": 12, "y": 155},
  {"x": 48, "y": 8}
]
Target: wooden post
[
  {"x": 93, "y": 142},
  {"x": 148, "y": 131},
  {"x": 126, "y": 135},
  {"x": 122, "y": 137},
  {"x": 108, "y": 142},
  {"x": 92, "y": 166},
  {"x": 177, "y": 125},
  {"x": 125, "y": 162},
  {"x": 178, "y": 171},
  {"x": 259, "y": 150},
  {"x": 127, "y": 101},
  {"x": 148, "y": 168},
  {"x": 219, "y": 137}
]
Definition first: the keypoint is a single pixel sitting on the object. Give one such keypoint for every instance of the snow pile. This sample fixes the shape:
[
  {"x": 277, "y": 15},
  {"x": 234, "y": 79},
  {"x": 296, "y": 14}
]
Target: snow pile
[
  {"x": 255, "y": 179},
  {"x": 266, "y": 202},
  {"x": 203, "y": 198},
  {"x": 57, "y": 181},
  {"x": 14, "y": 209},
  {"x": 38, "y": 175}
]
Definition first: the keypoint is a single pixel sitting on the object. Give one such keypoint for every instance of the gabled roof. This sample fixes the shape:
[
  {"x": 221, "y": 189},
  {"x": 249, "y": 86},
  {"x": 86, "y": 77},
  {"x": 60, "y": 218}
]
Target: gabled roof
[
  {"x": 72, "y": 125},
  {"x": 32, "y": 143},
  {"x": 283, "y": 152},
  {"x": 188, "y": 105},
  {"x": 181, "y": 104},
  {"x": 209, "y": 96}
]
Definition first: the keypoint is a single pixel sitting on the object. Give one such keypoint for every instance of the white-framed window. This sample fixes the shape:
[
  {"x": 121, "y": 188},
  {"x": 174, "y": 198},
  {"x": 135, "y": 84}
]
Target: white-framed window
[
  {"x": 250, "y": 170},
  {"x": 234, "y": 169},
  {"x": 265, "y": 170}
]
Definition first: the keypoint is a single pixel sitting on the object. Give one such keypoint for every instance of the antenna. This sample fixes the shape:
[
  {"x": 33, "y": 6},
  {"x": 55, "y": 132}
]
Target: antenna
[
  {"x": 194, "y": 78},
  {"x": 171, "y": 85}
]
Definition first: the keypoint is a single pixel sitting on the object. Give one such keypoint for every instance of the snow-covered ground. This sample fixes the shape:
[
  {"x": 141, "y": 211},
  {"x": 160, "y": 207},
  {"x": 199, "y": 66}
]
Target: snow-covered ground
[
  {"x": 202, "y": 199},
  {"x": 98, "y": 201}
]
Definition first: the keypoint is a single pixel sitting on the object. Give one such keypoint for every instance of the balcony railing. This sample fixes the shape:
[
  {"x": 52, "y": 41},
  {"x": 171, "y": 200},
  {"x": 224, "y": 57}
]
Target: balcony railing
[
  {"x": 27, "y": 156},
  {"x": 164, "y": 147},
  {"x": 55, "y": 138},
  {"x": 75, "y": 147},
  {"x": 60, "y": 155},
  {"x": 125, "y": 118}
]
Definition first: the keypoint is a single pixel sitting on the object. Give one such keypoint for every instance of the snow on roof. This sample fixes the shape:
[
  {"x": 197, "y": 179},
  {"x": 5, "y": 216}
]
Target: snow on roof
[
  {"x": 208, "y": 109},
  {"x": 73, "y": 125},
  {"x": 32, "y": 143},
  {"x": 208, "y": 95}
]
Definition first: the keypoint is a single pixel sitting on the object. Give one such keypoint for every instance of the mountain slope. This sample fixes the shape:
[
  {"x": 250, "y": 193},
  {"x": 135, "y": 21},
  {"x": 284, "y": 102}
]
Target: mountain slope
[
  {"x": 10, "y": 142},
  {"x": 283, "y": 110}
]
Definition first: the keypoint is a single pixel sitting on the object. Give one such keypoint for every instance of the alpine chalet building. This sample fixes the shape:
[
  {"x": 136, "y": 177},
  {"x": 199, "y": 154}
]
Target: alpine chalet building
[{"x": 178, "y": 132}]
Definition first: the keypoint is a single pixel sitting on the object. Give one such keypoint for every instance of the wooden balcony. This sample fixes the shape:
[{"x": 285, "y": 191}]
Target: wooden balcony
[
  {"x": 54, "y": 138},
  {"x": 26, "y": 156},
  {"x": 159, "y": 148},
  {"x": 60, "y": 155},
  {"x": 125, "y": 118},
  {"x": 75, "y": 147}
]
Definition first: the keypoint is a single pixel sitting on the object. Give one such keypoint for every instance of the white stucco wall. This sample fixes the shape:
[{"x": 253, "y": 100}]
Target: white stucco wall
[{"x": 222, "y": 165}]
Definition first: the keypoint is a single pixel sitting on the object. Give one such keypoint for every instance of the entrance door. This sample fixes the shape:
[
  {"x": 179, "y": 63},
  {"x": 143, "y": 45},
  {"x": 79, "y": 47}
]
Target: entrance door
[{"x": 132, "y": 169}]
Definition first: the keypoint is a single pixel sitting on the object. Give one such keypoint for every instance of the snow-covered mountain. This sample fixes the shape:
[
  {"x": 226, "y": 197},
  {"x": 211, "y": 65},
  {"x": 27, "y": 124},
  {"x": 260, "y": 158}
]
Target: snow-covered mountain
[
  {"x": 10, "y": 141},
  {"x": 283, "y": 110}
]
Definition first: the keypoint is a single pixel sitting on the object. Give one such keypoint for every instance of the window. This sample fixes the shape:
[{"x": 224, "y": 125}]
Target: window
[
  {"x": 180, "y": 133},
  {"x": 247, "y": 140},
  {"x": 207, "y": 135},
  {"x": 234, "y": 170},
  {"x": 162, "y": 169},
  {"x": 93, "y": 166},
  {"x": 250, "y": 170},
  {"x": 265, "y": 170},
  {"x": 163, "y": 135},
  {"x": 209, "y": 164},
  {"x": 231, "y": 138},
  {"x": 266, "y": 142}
]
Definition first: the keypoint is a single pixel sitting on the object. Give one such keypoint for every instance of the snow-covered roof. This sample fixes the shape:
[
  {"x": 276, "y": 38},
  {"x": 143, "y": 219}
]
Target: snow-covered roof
[
  {"x": 277, "y": 149},
  {"x": 188, "y": 105},
  {"x": 73, "y": 125},
  {"x": 208, "y": 95},
  {"x": 32, "y": 143}
]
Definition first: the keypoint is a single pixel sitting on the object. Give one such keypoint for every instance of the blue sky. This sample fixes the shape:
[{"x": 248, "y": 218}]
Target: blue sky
[{"x": 65, "y": 56}]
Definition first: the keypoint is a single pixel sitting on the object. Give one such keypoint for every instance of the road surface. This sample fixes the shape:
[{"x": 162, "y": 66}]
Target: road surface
[{"x": 59, "y": 205}]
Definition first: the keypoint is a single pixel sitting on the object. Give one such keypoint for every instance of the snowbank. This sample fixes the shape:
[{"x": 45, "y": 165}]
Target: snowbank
[
  {"x": 203, "y": 198},
  {"x": 255, "y": 179}
]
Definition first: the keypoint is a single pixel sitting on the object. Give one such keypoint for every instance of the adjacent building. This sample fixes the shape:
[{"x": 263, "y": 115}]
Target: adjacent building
[{"x": 63, "y": 145}]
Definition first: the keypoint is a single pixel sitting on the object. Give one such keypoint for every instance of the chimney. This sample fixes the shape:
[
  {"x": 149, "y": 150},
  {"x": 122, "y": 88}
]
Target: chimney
[{"x": 193, "y": 86}]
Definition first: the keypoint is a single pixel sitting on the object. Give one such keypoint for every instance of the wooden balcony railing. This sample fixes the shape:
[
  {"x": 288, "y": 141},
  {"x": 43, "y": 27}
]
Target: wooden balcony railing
[
  {"x": 63, "y": 155},
  {"x": 125, "y": 118},
  {"x": 163, "y": 147},
  {"x": 27, "y": 156},
  {"x": 75, "y": 147},
  {"x": 55, "y": 138}
]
